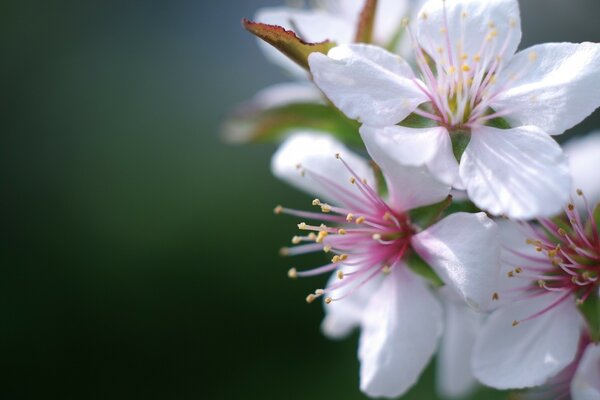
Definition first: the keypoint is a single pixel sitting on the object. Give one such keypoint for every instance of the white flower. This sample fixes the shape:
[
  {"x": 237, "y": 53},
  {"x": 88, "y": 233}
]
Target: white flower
[
  {"x": 586, "y": 381},
  {"x": 547, "y": 271},
  {"x": 468, "y": 77},
  {"x": 584, "y": 162},
  {"x": 335, "y": 20},
  {"x": 368, "y": 238}
]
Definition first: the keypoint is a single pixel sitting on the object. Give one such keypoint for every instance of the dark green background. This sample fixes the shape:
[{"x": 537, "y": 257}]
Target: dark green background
[{"x": 138, "y": 252}]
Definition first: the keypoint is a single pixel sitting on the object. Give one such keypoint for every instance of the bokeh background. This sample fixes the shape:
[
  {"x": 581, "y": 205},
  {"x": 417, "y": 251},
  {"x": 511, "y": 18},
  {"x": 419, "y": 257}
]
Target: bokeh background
[{"x": 139, "y": 252}]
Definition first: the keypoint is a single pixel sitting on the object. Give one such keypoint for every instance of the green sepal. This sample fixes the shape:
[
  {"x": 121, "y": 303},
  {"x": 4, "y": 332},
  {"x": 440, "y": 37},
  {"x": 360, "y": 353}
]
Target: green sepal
[
  {"x": 499, "y": 123},
  {"x": 597, "y": 217},
  {"x": 428, "y": 215},
  {"x": 460, "y": 140},
  {"x": 421, "y": 268},
  {"x": 590, "y": 309},
  {"x": 271, "y": 125},
  {"x": 287, "y": 41},
  {"x": 417, "y": 121},
  {"x": 366, "y": 23}
]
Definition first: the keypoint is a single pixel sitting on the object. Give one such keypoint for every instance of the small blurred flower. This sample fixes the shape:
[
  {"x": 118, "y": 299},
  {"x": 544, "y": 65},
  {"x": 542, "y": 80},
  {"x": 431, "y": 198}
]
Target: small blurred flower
[
  {"x": 371, "y": 240},
  {"x": 499, "y": 108}
]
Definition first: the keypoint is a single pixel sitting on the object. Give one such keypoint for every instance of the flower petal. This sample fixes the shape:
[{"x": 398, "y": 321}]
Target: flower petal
[
  {"x": 409, "y": 186},
  {"x": 417, "y": 147},
  {"x": 586, "y": 382},
  {"x": 463, "y": 250},
  {"x": 486, "y": 29},
  {"x": 519, "y": 172},
  {"x": 367, "y": 83},
  {"x": 315, "y": 153},
  {"x": 400, "y": 330},
  {"x": 507, "y": 356},
  {"x": 553, "y": 86},
  {"x": 584, "y": 164},
  {"x": 341, "y": 317},
  {"x": 312, "y": 26},
  {"x": 462, "y": 325}
]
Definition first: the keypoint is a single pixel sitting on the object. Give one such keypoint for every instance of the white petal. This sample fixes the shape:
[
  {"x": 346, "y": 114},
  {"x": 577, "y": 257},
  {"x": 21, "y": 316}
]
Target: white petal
[
  {"x": 469, "y": 23},
  {"x": 400, "y": 330},
  {"x": 462, "y": 325},
  {"x": 417, "y": 147},
  {"x": 310, "y": 25},
  {"x": 586, "y": 382},
  {"x": 553, "y": 86},
  {"x": 315, "y": 152},
  {"x": 526, "y": 355},
  {"x": 584, "y": 162},
  {"x": 341, "y": 317},
  {"x": 409, "y": 187},
  {"x": 463, "y": 250},
  {"x": 520, "y": 172},
  {"x": 367, "y": 83}
]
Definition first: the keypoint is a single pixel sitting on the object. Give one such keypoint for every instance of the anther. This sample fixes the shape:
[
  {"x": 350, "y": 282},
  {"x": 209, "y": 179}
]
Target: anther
[
  {"x": 405, "y": 21},
  {"x": 310, "y": 298},
  {"x": 325, "y": 208},
  {"x": 511, "y": 274},
  {"x": 465, "y": 68},
  {"x": 570, "y": 206},
  {"x": 515, "y": 323},
  {"x": 335, "y": 259},
  {"x": 353, "y": 180},
  {"x": 562, "y": 232},
  {"x": 341, "y": 231},
  {"x": 579, "y": 192},
  {"x": 316, "y": 202},
  {"x": 319, "y": 292},
  {"x": 296, "y": 240},
  {"x": 376, "y": 236},
  {"x": 328, "y": 300},
  {"x": 278, "y": 210},
  {"x": 360, "y": 220},
  {"x": 327, "y": 249},
  {"x": 349, "y": 217},
  {"x": 312, "y": 236},
  {"x": 302, "y": 225},
  {"x": 518, "y": 270},
  {"x": 284, "y": 251},
  {"x": 386, "y": 269},
  {"x": 495, "y": 296},
  {"x": 340, "y": 274},
  {"x": 337, "y": 155},
  {"x": 292, "y": 273},
  {"x": 321, "y": 236}
]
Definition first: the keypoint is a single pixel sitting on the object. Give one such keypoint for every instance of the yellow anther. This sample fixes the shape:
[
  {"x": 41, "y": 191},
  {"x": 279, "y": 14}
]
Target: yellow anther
[
  {"x": 364, "y": 180},
  {"x": 491, "y": 25},
  {"x": 325, "y": 208},
  {"x": 353, "y": 180},
  {"x": 328, "y": 300},
  {"x": 518, "y": 270},
  {"x": 570, "y": 206},
  {"x": 464, "y": 56},
  {"x": 579, "y": 192},
  {"x": 538, "y": 249},
  {"x": 342, "y": 231},
  {"x": 495, "y": 296},
  {"x": 335, "y": 259},
  {"x": 451, "y": 69},
  {"x": 319, "y": 292},
  {"x": 440, "y": 50},
  {"x": 465, "y": 68},
  {"x": 386, "y": 269},
  {"x": 321, "y": 236},
  {"x": 311, "y": 236},
  {"x": 360, "y": 220},
  {"x": 302, "y": 226},
  {"x": 376, "y": 236},
  {"x": 292, "y": 273},
  {"x": 296, "y": 239},
  {"x": 405, "y": 21},
  {"x": 278, "y": 210},
  {"x": 476, "y": 58},
  {"x": 511, "y": 274},
  {"x": 515, "y": 323},
  {"x": 343, "y": 257},
  {"x": 323, "y": 227},
  {"x": 327, "y": 249},
  {"x": 284, "y": 251},
  {"x": 350, "y": 217},
  {"x": 579, "y": 302},
  {"x": 532, "y": 56},
  {"x": 541, "y": 283},
  {"x": 387, "y": 216},
  {"x": 316, "y": 202},
  {"x": 340, "y": 274},
  {"x": 310, "y": 298}
]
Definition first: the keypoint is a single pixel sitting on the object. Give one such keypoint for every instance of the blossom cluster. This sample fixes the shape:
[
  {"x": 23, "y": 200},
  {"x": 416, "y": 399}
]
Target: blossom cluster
[{"x": 451, "y": 220}]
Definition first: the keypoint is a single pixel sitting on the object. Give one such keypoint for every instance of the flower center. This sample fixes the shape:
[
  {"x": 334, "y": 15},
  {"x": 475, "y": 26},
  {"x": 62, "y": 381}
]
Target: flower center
[
  {"x": 364, "y": 236},
  {"x": 569, "y": 260},
  {"x": 461, "y": 86}
]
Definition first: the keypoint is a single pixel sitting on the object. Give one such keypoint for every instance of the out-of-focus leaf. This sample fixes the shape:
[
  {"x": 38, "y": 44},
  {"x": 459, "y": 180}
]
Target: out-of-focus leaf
[
  {"x": 420, "y": 267},
  {"x": 273, "y": 124},
  {"x": 287, "y": 41},
  {"x": 366, "y": 22},
  {"x": 591, "y": 312}
]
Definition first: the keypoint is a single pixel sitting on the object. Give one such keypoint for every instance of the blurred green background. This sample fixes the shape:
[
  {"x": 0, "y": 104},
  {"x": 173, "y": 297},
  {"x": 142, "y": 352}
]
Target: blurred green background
[{"x": 139, "y": 252}]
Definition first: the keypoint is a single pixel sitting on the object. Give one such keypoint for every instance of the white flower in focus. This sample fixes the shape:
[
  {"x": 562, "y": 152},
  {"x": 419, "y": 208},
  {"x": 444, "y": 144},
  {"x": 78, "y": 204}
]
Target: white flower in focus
[
  {"x": 369, "y": 239},
  {"x": 547, "y": 271},
  {"x": 584, "y": 162},
  {"x": 468, "y": 84}
]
